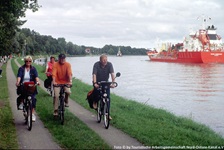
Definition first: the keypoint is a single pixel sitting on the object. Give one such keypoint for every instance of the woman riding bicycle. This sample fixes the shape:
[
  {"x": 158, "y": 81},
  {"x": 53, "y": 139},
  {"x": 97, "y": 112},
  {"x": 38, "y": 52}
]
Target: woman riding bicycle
[
  {"x": 49, "y": 68},
  {"x": 101, "y": 71},
  {"x": 27, "y": 73}
]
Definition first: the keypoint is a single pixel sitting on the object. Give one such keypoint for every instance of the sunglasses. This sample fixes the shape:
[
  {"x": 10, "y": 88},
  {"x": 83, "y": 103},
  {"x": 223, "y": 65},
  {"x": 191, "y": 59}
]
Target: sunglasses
[{"x": 28, "y": 61}]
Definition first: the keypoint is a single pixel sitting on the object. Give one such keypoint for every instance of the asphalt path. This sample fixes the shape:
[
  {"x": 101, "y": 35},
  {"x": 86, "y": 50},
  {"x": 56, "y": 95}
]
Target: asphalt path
[{"x": 40, "y": 138}]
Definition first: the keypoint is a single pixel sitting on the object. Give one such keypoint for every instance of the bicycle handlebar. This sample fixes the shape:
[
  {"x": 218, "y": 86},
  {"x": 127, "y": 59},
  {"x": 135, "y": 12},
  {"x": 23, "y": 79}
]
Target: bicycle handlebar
[
  {"x": 62, "y": 85},
  {"x": 107, "y": 83},
  {"x": 21, "y": 84},
  {"x": 48, "y": 73}
]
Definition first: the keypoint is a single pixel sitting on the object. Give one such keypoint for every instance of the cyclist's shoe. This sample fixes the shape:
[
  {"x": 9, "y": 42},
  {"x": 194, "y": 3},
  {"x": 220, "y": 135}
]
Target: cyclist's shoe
[
  {"x": 33, "y": 118},
  {"x": 110, "y": 118},
  {"x": 66, "y": 105},
  {"x": 20, "y": 106},
  {"x": 55, "y": 113}
]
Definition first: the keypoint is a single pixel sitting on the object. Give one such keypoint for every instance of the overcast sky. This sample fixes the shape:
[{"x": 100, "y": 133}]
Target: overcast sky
[{"x": 135, "y": 23}]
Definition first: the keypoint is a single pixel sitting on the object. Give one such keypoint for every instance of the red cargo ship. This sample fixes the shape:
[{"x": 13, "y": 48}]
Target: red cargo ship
[{"x": 203, "y": 46}]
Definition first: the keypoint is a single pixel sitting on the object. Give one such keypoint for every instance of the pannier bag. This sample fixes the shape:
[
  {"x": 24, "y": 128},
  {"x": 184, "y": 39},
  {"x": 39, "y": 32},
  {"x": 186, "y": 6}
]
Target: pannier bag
[
  {"x": 92, "y": 96},
  {"x": 47, "y": 83},
  {"x": 19, "y": 90}
]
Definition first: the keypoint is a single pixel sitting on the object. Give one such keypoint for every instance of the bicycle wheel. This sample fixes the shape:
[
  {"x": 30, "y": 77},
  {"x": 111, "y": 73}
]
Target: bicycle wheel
[
  {"x": 106, "y": 115},
  {"x": 61, "y": 111},
  {"x": 29, "y": 115},
  {"x": 99, "y": 106}
]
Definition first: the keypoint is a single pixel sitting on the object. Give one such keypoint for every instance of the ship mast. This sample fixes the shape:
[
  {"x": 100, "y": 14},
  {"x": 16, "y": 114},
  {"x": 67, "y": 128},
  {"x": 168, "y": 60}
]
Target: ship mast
[{"x": 204, "y": 20}]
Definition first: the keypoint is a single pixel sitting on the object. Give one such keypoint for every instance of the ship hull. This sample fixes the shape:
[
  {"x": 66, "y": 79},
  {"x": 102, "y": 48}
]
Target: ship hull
[{"x": 191, "y": 57}]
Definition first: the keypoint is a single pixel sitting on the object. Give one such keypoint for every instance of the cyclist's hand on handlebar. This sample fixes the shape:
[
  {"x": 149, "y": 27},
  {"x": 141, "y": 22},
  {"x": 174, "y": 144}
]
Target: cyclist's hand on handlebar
[
  {"x": 55, "y": 83},
  {"x": 96, "y": 85},
  {"x": 17, "y": 84},
  {"x": 112, "y": 85}
]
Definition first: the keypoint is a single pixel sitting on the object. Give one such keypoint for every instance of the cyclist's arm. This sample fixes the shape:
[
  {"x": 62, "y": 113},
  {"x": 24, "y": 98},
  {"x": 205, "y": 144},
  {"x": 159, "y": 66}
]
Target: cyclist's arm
[
  {"x": 113, "y": 80},
  {"x": 113, "y": 77},
  {"x": 70, "y": 79},
  {"x": 18, "y": 81},
  {"x": 94, "y": 81},
  {"x": 37, "y": 80},
  {"x": 46, "y": 68},
  {"x": 53, "y": 80},
  {"x": 69, "y": 72}
]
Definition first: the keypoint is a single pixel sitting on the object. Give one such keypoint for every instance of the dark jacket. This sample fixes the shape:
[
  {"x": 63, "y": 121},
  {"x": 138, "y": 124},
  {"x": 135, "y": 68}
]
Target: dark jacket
[{"x": 33, "y": 74}]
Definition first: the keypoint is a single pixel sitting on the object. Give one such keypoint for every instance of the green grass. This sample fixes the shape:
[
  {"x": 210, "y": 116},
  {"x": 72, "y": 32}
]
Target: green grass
[
  {"x": 8, "y": 138},
  {"x": 150, "y": 126}
]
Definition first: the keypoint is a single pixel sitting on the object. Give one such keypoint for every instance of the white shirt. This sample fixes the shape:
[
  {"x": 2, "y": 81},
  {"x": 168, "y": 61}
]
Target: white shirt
[{"x": 26, "y": 76}]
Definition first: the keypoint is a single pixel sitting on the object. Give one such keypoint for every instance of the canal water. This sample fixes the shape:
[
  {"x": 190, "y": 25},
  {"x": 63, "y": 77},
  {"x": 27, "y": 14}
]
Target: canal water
[{"x": 195, "y": 91}]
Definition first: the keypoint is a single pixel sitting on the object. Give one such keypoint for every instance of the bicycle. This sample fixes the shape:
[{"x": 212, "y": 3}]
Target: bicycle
[
  {"x": 103, "y": 105},
  {"x": 61, "y": 107},
  {"x": 27, "y": 91}
]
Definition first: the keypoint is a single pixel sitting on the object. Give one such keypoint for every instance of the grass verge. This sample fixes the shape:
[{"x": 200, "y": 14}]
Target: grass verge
[
  {"x": 149, "y": 125},
  {"x": 8, "y": 138}
]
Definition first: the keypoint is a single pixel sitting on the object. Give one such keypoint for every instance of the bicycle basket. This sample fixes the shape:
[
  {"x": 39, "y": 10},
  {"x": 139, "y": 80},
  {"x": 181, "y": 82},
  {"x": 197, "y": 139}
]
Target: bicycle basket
[{"x": 29, "y": 87}]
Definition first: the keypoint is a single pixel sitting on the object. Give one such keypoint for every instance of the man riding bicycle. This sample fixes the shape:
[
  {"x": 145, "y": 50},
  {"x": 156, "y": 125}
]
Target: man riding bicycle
[
  {"x": 61, "y": 74},
  {"x": 101, "y": 71}
]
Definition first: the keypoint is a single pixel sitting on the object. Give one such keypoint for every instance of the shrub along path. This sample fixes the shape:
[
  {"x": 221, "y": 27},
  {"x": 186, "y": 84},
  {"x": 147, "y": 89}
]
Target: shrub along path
[{"x": 40, "y": 137}]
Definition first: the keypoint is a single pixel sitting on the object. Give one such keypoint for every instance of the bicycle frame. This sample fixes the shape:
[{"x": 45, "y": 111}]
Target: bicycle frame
[
  {"x": 61, "y": 107},
  {"x": 27, "y": 108},
  {"x": 29, "y": 89},
  {"x": 103, "y": 108}
]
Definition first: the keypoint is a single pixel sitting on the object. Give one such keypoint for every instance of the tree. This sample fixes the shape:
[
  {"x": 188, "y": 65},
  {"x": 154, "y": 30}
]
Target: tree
[{"x": 11, "y": 11}]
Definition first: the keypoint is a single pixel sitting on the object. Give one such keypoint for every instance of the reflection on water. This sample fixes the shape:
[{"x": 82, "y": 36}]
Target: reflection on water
[{"x": 191, "y": 90}]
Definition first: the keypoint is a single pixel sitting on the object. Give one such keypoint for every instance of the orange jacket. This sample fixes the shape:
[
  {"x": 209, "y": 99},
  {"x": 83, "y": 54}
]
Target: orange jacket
[{"x": 61, "y": 73}]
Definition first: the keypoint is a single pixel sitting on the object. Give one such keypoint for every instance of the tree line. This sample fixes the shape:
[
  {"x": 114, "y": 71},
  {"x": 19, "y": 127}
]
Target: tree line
[
  {"x": 14, "y": 40},
  {"x": 32, "y": 43}
]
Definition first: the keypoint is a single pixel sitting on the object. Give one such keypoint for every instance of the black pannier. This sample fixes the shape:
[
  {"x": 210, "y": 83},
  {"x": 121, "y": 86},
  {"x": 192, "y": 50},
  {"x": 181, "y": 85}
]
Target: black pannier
[{"x": 92, "y": 96}]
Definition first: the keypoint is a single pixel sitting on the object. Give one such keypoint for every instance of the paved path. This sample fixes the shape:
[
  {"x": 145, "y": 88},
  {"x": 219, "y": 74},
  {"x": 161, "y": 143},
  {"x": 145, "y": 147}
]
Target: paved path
[
  {"x": 114, "y": 137},
  {"x": 39, "y": 137}
]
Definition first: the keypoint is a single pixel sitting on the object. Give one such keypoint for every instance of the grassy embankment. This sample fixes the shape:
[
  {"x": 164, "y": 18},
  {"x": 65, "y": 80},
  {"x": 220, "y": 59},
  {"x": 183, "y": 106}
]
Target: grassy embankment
[
  {"x": 8, "y": 138},
  {"x": 150, "y": 126}
]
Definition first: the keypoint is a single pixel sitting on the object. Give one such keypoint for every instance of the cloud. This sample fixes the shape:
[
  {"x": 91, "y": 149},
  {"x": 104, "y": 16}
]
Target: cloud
[{"x": 135, "y": 23}]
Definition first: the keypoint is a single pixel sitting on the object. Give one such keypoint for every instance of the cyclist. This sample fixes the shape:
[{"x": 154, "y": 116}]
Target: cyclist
[
  {"x": 27, "y": 73},
  {"x": 101, "y": 71},
  {"x": 61, "y": 74},
  {"x": 49, "y": 68}
]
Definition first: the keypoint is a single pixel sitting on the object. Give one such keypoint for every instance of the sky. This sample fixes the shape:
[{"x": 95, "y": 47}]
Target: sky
[{"x": 135, "y": 23}]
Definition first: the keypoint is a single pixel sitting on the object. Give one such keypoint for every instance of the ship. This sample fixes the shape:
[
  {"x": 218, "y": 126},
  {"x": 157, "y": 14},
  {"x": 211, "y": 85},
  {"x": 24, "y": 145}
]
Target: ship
[
  {"x": 119, "y": 53},
  {"x": 201, "y": 46}
]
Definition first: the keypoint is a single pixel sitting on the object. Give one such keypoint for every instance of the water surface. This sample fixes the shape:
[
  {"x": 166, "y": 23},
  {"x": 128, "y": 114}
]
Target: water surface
[{"x": 195, "y": 91}]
